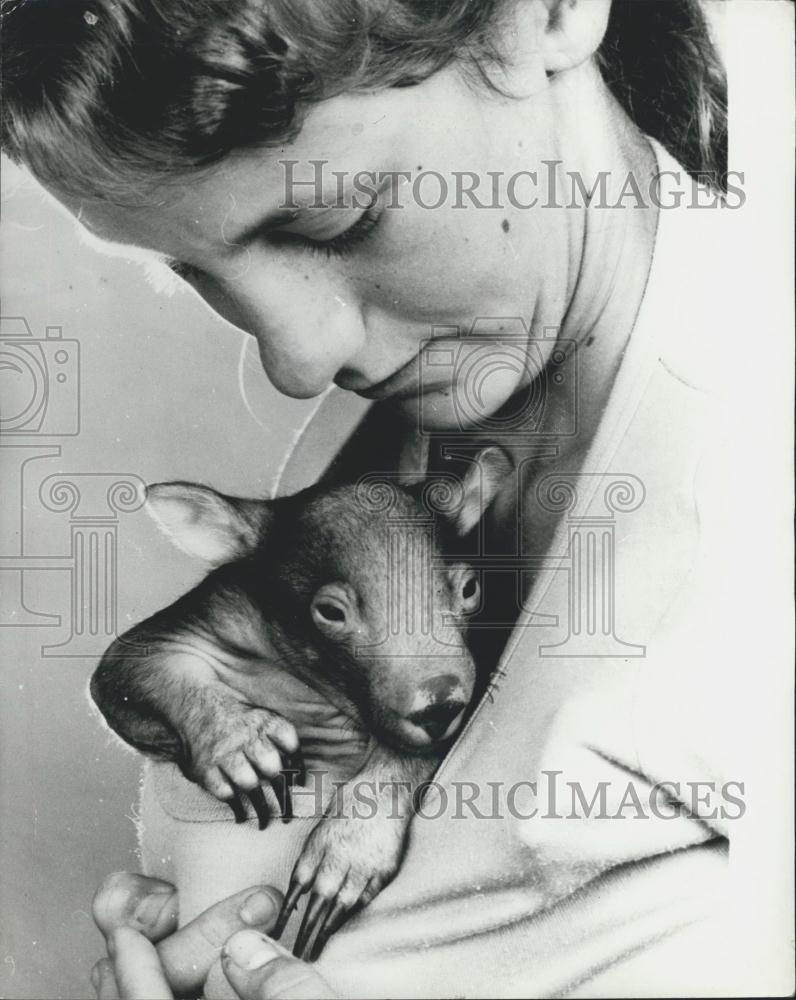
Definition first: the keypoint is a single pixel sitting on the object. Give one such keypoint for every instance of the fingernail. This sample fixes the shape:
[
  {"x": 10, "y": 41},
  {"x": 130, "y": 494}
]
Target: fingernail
[
  {"x": 152, "y": 906},
  {"x": 258, "y": 908},
  {"x": 249, "y": 950}
]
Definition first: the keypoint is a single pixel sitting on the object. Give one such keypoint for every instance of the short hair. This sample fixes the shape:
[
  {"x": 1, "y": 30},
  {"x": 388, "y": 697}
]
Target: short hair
[{"x": 99, "y": 96}]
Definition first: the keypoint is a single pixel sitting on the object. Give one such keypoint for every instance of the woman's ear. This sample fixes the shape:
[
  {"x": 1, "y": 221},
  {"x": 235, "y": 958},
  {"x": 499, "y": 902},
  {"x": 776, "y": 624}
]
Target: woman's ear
[
  {"x": 573, "y": 32},
  {"x": 208, "y": 525}
]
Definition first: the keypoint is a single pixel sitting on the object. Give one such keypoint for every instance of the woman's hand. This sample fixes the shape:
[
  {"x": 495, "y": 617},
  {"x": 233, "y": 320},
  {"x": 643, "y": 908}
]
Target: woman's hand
[{"x": 223, "y": 951}]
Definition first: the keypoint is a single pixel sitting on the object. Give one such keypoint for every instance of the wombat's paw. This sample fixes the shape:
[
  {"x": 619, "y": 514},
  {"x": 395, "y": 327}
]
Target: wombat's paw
[
  {"x": 243, "y": 752},
  {"x": 346, "y": 862}
]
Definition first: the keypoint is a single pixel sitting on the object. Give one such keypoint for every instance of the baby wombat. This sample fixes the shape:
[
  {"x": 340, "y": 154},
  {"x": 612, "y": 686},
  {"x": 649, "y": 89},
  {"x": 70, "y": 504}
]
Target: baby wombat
[{"x": 342, "y": 606}]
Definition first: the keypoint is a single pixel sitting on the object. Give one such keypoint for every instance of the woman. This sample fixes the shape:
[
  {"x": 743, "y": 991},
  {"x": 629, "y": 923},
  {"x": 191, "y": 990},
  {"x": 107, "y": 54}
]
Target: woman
[{"x": 228, "y": 139}]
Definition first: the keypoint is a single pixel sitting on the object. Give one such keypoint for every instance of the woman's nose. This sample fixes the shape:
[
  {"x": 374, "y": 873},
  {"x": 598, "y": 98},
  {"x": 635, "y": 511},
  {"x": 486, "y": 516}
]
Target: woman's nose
[{"x": 307, "y": 331}]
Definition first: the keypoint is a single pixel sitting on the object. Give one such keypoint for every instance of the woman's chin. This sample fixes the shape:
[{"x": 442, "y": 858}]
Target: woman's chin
[{"x": 450, "y": 409}]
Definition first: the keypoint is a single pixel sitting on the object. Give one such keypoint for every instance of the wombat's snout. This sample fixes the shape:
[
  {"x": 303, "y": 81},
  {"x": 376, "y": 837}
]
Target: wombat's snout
[
  {"x": 439, "y": 705},
  {"x": 437, "y": 719}
]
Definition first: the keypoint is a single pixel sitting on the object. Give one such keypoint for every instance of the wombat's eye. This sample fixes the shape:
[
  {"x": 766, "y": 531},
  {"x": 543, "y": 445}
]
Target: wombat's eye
[
  {"x": 330, "y": 610},
  {"x": 469, "y": 592}
]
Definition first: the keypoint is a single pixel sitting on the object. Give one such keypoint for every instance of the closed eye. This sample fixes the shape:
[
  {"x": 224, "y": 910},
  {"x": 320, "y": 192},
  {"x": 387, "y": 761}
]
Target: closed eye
[{"x": 340, "y": 245}]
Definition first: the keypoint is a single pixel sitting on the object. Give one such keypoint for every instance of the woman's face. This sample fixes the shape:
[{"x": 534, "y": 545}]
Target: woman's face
[{"x": 351, "y": 293}]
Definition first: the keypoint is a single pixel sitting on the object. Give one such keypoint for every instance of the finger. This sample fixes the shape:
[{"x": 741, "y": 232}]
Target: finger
[
  {"x": 190, "y": 952},
  {"x": 259, "y": 969},
  {"x": 217, "y": 986},
  {"x": 258, "y": 801},
  {"x": 284, "y": 735},
  {"x": 239, "y": 771},
  {"x": 137, "y": 967},
  {"x": 265, "y": 760},
  {"x": 268, "y": 764},
  {"x": 125, "y": 899},
  {"x": 215, "y": 782},
  {"x": 314, "y": 916},
  {"x": 104, "y": 981}
]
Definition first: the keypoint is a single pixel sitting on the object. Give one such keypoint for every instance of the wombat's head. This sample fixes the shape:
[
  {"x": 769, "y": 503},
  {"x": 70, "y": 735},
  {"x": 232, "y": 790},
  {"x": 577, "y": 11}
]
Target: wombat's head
[{"x": 359, "y": 585}]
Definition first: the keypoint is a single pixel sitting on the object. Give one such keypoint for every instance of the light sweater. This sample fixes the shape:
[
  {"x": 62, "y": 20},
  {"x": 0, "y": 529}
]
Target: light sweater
[{"x": 616, "y": 900}]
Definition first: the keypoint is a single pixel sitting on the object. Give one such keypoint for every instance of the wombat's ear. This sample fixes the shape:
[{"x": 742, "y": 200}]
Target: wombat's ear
[
  {"x": 215, "y": 528},
  {"x": 481, "y": 483}
]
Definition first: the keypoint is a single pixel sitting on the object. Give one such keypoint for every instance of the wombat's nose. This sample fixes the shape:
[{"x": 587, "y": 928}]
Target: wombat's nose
[
  {"x": 443, "y": 700},
  {"x": 443, "y": 687},
  {"x": 437, "y": 719}
]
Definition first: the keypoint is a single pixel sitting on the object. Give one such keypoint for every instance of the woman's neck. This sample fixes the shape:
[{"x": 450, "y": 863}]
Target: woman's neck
[
  {"x": 603, "y": 172},
  {"x": 598, "y": 240}
]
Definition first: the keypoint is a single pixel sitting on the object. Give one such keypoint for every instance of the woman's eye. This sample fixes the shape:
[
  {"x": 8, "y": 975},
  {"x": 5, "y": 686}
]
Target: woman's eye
[{"x": 340, "y": 245}]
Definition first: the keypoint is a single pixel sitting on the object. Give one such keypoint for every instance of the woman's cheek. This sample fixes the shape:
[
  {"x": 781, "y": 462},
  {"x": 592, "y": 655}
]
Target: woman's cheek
[
  {"x": 439, "y": 288},
  {"x": 441, "y": 263}
]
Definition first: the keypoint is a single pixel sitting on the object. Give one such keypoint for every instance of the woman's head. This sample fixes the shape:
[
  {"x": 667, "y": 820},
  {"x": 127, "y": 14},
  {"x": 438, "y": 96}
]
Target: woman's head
[
  {"x": 97, "y": 91},
  {"x": 170, "y": 124}
]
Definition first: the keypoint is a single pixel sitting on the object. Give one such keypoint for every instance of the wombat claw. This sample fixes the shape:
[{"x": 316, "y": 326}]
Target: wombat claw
[
  {"x": 326, "y": 914},
  {"x": 293, "y": 774}
]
